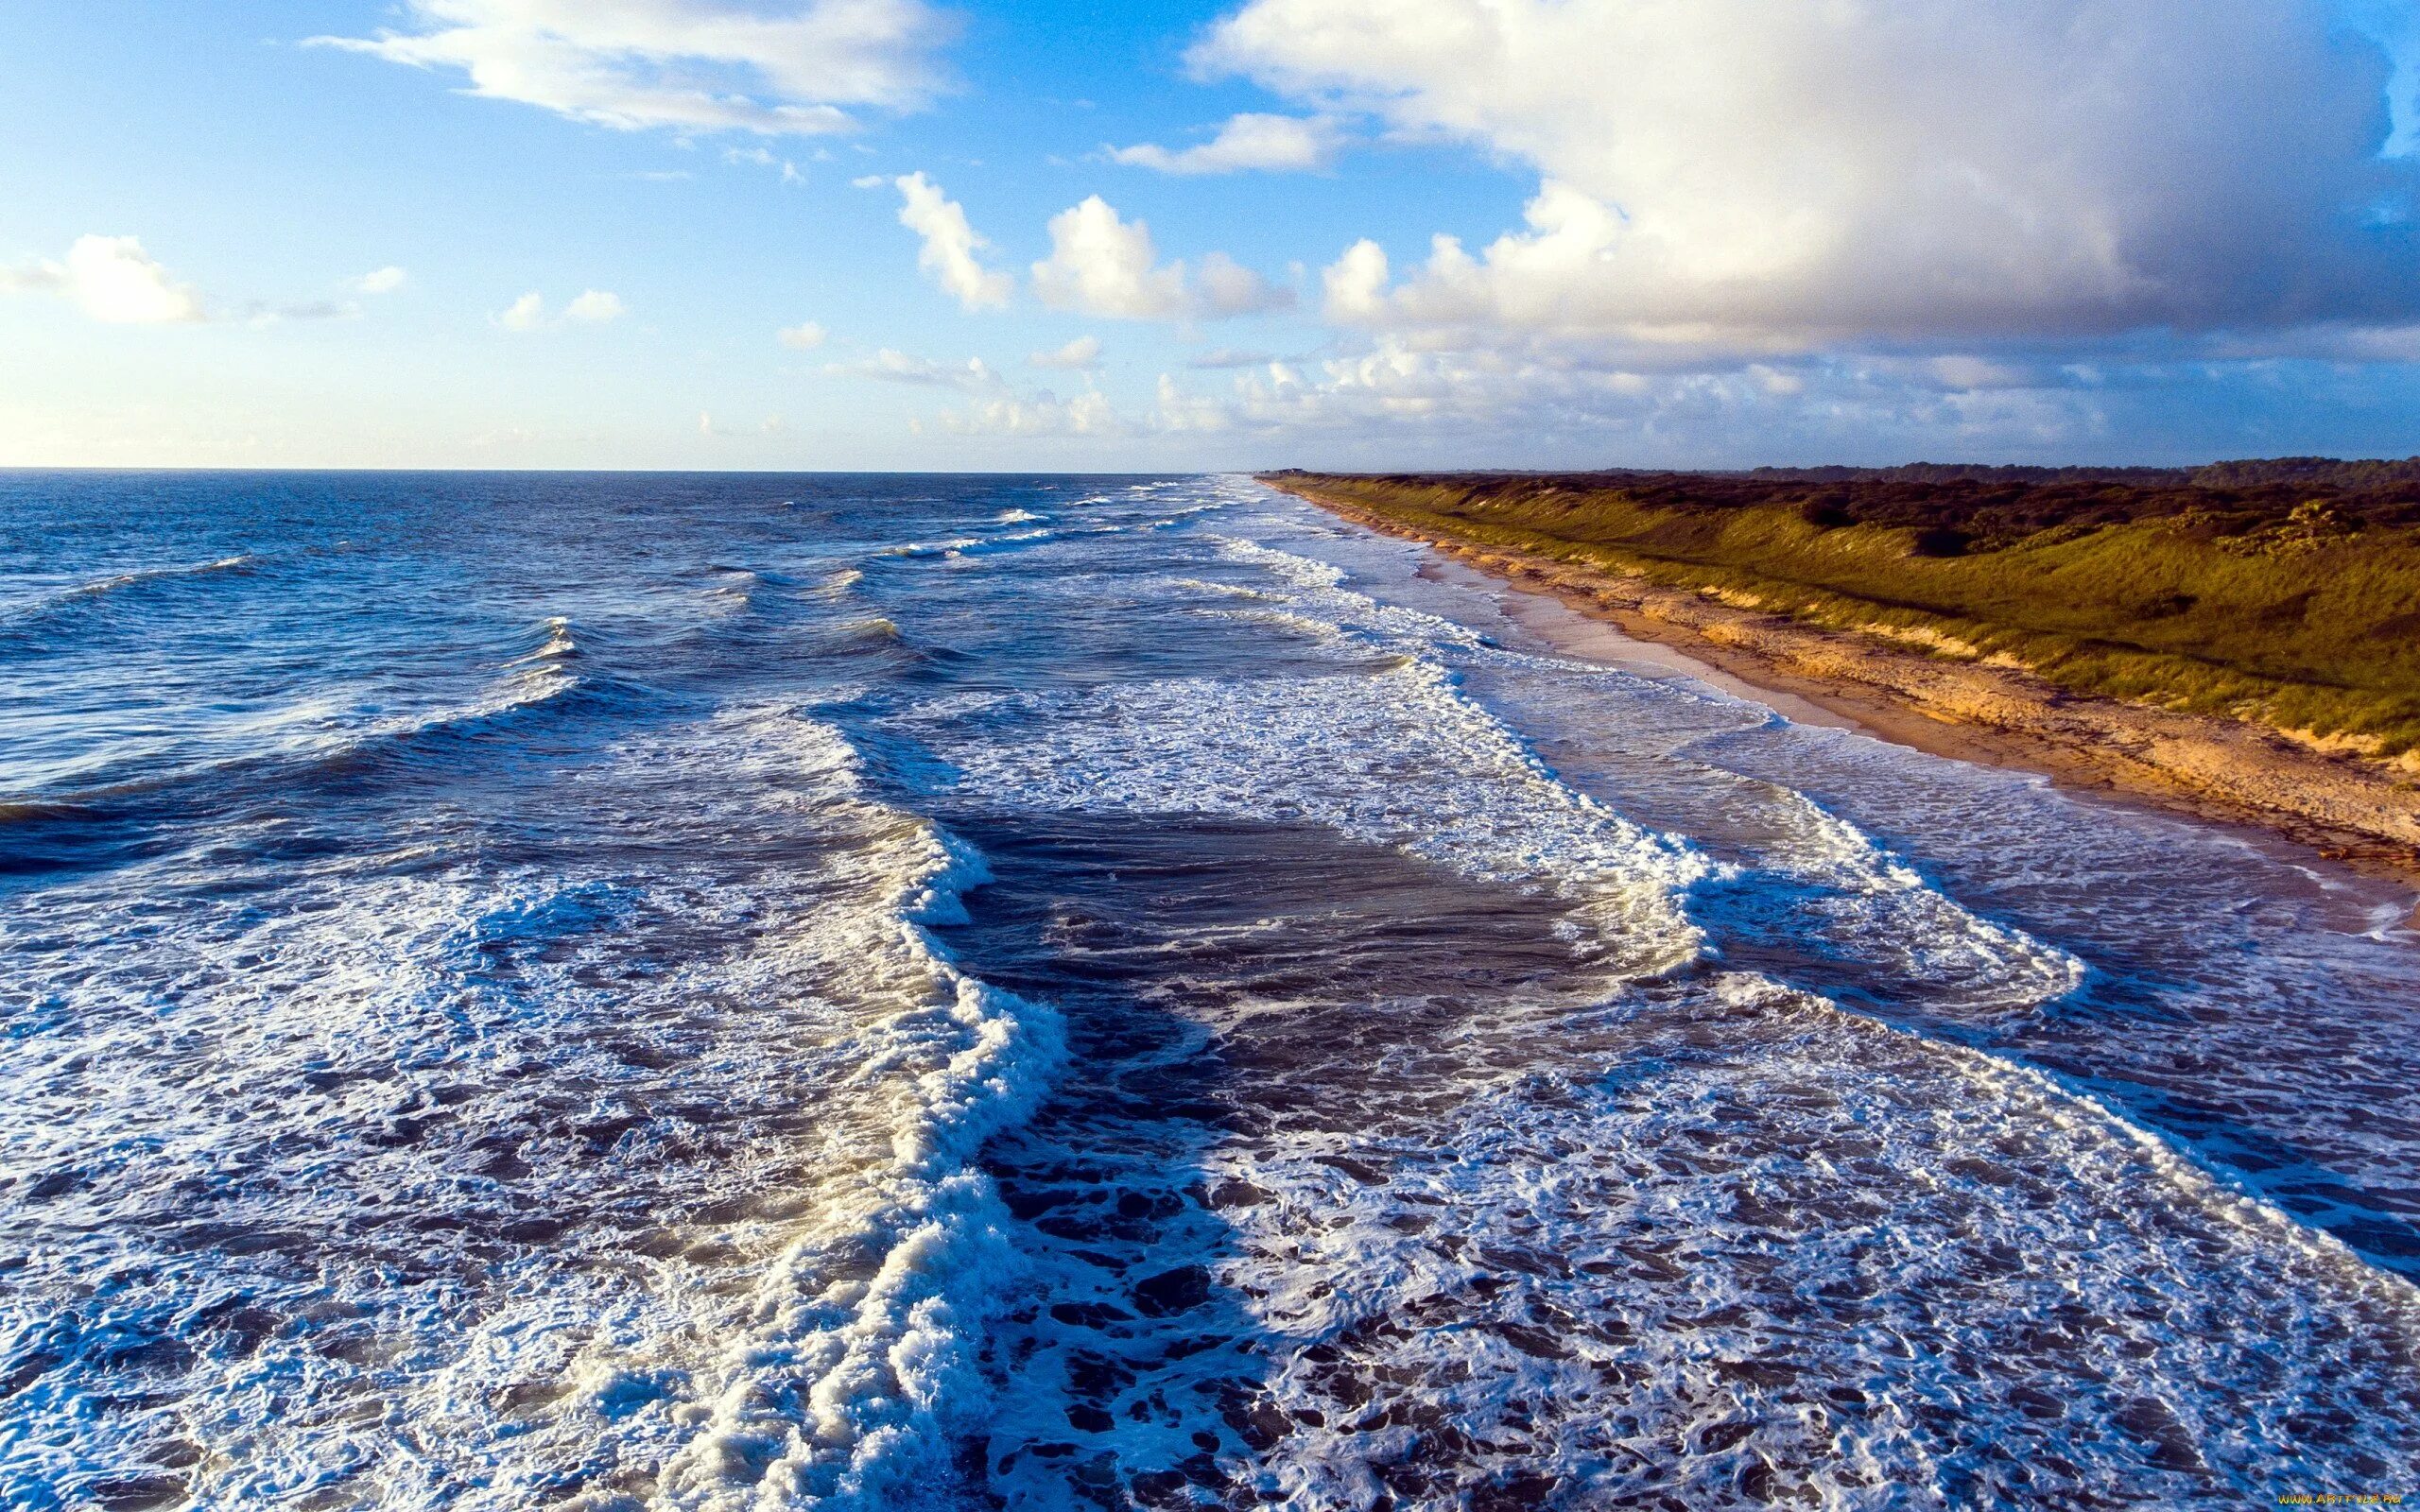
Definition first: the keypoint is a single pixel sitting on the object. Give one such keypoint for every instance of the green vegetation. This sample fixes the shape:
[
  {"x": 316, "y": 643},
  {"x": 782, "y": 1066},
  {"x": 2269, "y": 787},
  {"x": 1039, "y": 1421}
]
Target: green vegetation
[{"x": 2285, "y": 593}]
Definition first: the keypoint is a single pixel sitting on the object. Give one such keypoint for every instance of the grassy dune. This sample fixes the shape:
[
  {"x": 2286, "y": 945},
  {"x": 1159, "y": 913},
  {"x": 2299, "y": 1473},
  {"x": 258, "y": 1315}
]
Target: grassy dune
[{"x": 2282, "y": 592}]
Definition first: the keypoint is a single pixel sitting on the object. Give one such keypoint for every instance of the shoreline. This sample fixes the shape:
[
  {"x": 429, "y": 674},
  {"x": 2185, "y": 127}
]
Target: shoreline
[{"x": 2218, "y": 771}]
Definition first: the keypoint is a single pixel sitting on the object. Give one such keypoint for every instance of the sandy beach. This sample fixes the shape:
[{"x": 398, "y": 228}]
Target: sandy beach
[{"x": 2361, "y": 813}]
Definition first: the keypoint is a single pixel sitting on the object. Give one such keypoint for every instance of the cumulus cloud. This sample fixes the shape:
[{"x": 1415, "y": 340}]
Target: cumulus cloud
[
  {"x": 1273, "y": 144},
  {"x": 1746, "y": 176},
  {"x": 805, "y": 337},
  {"x": 687, "y": 65},
  {"x": 950, "y": 245},
  {"x": 381, "y": 281},
  {"x": 112, "y": 280},
  {"x": 1355, "y": 285},
  {"x": 590, "y": 307},
  {"x": 973, "y": 375},
  {"x": 1082, "y": 352},
  {"x": 1104, "y": 264}
]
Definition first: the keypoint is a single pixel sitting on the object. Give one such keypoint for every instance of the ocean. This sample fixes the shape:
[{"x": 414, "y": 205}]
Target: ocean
[{"x": 615, "y": 991}]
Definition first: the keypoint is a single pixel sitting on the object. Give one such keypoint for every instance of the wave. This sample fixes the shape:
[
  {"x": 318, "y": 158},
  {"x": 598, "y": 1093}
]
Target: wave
[
  {"x": 538, "y": 677},
  {"x": 878, "y": 628},
  {"x": 1800, "y": 1246},
  {"x": 100, "y": 588},
  {"x": 962, "y": 546},
  {"x": 713, "y": 1218},
  {"x": 948, "y": 547},
  {"x": 1836, "y": 896},
  {"x": 1817, "y": 880},
  {"x": 1802, "y": 893},
  {"x": 287, "y": 753},
  {"x": 558, "y": 645},
  {"x": 147, "y": 574},
  {"x": 41, "y": 812},
  {"x": 858, "y": 1368},
  {"x": 1299, "y": 571},
  {"x": 1395, "y": 757}
]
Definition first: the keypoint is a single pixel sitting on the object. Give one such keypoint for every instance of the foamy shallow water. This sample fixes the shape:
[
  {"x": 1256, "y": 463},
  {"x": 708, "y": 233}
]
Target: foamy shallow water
[{"x": 749, "y": 992}]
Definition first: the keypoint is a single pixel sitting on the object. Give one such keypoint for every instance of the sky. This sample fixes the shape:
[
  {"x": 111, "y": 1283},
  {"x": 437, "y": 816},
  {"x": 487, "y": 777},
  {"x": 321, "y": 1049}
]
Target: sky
[{"x": 883, "y": 234}]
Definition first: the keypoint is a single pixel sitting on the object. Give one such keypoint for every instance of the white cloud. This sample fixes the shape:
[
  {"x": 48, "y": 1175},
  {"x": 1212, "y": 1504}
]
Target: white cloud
[
  {"x": 591, "y": 307},
  {"x": 1082, "y": 352},
  {"x": 687, "y": 65},
  {"x": 1772, "y": 174},
  {"x": 1226, "y": 287},
  {"x": 381, "y": 281},
  {"x": 1102, "y": 264},
  {"x": 973, "y": 375},
  {"x": 1356, "y": 283},
  {"x": 112, "y": 280},
  {"x": 805, "y": 337},
  {"x": 1180, "y": 411},
  {"x": 1087, "y": 414},
  {"x": 950, "y": 245},
  {"x": 594, "y": 307},
  {"x": 764, "y": 157},
  {"x": 1266, "y": 143}
]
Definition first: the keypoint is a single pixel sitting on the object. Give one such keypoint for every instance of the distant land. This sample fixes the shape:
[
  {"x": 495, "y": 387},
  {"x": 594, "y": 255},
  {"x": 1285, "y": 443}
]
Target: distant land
[{"x": 2241, "y": 639}]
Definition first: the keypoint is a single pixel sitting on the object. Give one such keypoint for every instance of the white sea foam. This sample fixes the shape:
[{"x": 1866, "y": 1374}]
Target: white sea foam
[
  {"x": 1821, "y": 878},
  {"x": 947, "y": 546},
  {"x": 400, "y": 1040},
  {"x": 855, "y": 1369},
  {"x": 1396, "y": 758},
  {"x": 1772, "y": 1251}
]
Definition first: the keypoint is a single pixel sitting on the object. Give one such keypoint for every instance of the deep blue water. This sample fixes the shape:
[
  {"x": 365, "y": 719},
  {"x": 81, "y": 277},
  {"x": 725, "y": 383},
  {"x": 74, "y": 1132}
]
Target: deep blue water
[{"x": 613, "y": 991}]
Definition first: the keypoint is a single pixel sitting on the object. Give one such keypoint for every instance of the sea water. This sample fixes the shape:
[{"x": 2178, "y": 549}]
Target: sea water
[{"x": 716, "y": 992}]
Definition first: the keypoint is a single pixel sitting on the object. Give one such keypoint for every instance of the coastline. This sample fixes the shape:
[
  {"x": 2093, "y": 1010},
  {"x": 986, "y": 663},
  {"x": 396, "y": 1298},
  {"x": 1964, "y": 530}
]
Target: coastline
[{"x": 2215, "y": 770}]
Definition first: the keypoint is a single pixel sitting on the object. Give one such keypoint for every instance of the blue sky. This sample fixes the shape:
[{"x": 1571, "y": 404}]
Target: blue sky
[{"x": 1725, "y": 232}]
